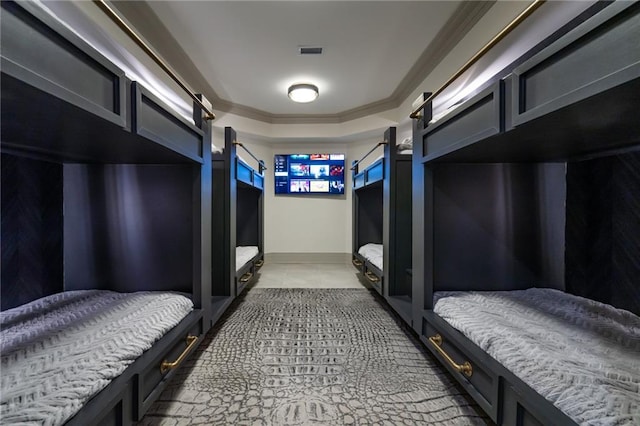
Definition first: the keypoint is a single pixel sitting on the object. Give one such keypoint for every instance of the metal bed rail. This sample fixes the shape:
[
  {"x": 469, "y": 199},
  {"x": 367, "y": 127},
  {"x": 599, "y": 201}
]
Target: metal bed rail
[
  {"x": 115, "y": 17},
  {"x": 261, "y": 165},
  {"x": 495, "y": 40},
  {"x": 354, "y": 166}
]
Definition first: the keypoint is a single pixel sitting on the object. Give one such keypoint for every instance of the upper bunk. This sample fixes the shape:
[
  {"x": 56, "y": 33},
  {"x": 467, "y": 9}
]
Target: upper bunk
[
  {"x": 77, "y": 106},
  {"x": 236, "y": 167},
  {"x": 238, "y": 217},
  {"x": 375, "y": 171},
  {"x": 574, "y": 96}
]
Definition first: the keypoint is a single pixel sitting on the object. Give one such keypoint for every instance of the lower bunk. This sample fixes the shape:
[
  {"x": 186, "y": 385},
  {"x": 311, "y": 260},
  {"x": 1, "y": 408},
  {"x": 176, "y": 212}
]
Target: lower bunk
[
  {"x": 370, "y": 261},
  {"x": 540, "y": 356},
  {"x": 248, "y": 261},
  {"x": 92, "y": 356}
]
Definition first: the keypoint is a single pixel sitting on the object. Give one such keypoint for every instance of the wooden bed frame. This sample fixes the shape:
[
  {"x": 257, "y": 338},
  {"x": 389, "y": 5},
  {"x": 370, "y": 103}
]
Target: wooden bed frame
[
  {"x": 382, "y": 215},
  {"x": 89, "y": 146},
  {"x": 494, "y": 175},
  {"x": 238, "y": 217}
]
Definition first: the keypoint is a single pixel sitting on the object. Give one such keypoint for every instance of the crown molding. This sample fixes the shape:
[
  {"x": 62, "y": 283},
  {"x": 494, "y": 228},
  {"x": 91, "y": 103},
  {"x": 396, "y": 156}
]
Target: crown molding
[{"x": 464, "y": 18}]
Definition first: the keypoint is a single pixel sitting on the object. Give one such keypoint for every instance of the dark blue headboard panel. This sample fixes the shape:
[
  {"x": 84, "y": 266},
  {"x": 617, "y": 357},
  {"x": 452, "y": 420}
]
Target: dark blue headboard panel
[
  {"x": 603, "y": 230},
  {"x": 31, "y": 230}
]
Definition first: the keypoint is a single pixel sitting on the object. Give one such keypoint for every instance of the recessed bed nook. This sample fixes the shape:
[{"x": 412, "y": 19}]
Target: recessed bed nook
[
  {"x": 530, "y": 277},
  {"x": 578, "y": 353}
]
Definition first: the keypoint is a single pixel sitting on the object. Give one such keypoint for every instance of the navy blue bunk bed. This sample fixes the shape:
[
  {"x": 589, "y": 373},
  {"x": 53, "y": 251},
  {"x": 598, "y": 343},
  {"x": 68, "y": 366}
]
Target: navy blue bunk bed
[
  {"x": 238, "y": 234},
  {"x": 105, "y": 235},
  {"x": 525, "y": 254},
  {"x": 382, "y": 223}
]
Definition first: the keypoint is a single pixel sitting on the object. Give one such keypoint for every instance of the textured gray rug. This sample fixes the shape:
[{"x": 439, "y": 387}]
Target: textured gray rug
[{"x": 309, "y": 357}]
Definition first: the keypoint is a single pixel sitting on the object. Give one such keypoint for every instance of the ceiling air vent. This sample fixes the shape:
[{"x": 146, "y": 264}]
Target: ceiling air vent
[{"x": 310, "y": 50}]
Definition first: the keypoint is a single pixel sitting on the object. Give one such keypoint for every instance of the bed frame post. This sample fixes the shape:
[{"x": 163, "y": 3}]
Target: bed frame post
[
  {"x": 202, "y": 216},
  {"x": 389, "y": 211},
  {"x": 421, "y": 281},
  {"x": 231, "y": 190},
  {"x": 354, "y": 211},
  {"x": 261, "y": 217}
]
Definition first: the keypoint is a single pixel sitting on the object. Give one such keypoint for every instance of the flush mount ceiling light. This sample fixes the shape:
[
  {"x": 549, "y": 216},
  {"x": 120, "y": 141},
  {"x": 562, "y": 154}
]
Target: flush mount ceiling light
[{"x": 303, "y": 93}]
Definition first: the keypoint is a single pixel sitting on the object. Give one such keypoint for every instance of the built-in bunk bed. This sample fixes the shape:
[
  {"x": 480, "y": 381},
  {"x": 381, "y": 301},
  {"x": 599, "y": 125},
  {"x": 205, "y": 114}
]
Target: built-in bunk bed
[
  {"x": 382, "y": 222},
  {"x": 238, "y": 234},
  {"x": 529, "y": 292},
  {"x": 104, "y": 201}
]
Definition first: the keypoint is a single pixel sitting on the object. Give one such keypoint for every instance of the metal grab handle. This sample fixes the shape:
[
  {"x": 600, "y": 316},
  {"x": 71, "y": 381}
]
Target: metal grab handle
[
  {"x": 259, "y": 263},
  {"x": 246, "y": 277},
  {"x": 166, "y": 365},
  {"x": 354, "y": 165},
  {"x": 117, "y": 19},
  {"x": 495, "y": 40},
  {"x": 465, "y": 368},
  {"x": 261, "y": 165},
  {"x": 372, "y": 277},
  {"x": 356, "y": 262}
]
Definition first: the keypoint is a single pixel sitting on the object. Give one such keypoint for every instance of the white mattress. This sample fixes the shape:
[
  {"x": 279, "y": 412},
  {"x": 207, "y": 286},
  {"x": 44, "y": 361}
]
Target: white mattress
[
  {"x": 58, "y": 351},
  {"x": 406, "y": 146},
  {"x": 373, "y": 253},
  {"x": 244, "y": 254},
  {"x": 582, "y": 355},
  {"x": 401, "y": 150}
]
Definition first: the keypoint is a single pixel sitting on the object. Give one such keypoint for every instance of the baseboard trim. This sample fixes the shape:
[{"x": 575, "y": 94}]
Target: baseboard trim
[{"x": 307, "y": 257}]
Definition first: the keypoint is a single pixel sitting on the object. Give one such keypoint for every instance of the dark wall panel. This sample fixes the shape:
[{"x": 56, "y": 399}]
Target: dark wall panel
[
  {"x": 498, "y": 226},
  {"x": 626, "y": 233},
  {"x": 31, "y": 230},
  {"x": 369, "y": 215},
  {"x": 221, "y": 232},
  {"x": 247, "y": 217},
  {"x": 589, "y": 229},
  {"x": 603, "y": 230},
  {"x": 403, "y": 229},
  {"x": 128, "y": 227}
]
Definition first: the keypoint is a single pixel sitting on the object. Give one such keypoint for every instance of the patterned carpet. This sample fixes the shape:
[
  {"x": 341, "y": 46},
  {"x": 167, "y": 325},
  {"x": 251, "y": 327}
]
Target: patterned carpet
[{"x": 311, "y": 357}]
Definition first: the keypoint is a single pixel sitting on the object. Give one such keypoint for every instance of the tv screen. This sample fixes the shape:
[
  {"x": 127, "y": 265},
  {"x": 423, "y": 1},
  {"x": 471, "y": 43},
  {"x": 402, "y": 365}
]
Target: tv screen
[{"x": 309, "y": 174}]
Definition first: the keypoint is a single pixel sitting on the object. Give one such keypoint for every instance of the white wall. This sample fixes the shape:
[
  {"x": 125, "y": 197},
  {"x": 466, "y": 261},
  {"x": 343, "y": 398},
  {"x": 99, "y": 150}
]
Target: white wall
[{"x": 308, "y": 224}]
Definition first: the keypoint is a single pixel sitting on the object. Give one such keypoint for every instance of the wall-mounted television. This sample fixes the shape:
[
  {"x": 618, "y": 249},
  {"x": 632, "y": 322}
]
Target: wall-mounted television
[{"x": 309, "y": 174}]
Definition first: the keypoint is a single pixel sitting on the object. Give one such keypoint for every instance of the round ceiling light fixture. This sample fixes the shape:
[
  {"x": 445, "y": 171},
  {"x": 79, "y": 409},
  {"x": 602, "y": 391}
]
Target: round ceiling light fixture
[{"x": 303, "y": 93}]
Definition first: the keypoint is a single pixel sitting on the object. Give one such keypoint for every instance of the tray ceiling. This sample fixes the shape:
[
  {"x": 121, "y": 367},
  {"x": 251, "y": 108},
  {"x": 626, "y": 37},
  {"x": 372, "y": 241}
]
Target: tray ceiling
[{"x": 244, "y": 54}]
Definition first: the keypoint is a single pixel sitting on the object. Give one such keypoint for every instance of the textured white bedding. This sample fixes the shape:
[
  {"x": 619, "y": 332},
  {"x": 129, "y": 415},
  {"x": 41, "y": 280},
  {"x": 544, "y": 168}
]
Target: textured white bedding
[
  {"x": 406, "y": 146},
  {"x": 582, "y": 355},
  {"x": 373, "y": 253},
  {"x": 245, "y": 254},
  {"x": 58, "y": 351}
]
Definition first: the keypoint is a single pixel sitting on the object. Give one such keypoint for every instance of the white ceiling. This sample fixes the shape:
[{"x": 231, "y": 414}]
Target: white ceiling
[{"x": 246, "y": 52}]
